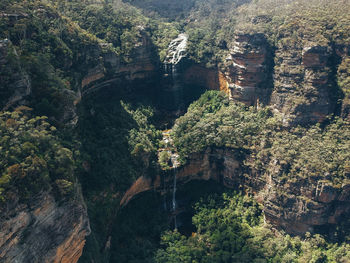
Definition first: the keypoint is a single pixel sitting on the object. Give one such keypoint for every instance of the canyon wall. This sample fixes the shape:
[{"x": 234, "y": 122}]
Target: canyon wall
[
  {"x": 297, "y": 80},
  {"x": 247, "y": 69},
  {"x": 43, "y": 230},
  {"x": 111, "y": 71},
  {"x": 296, "y": 207},
  {"x": 303, "y": 92}
]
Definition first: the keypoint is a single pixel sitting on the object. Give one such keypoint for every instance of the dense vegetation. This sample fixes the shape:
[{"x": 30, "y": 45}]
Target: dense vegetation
[
  {"x": 214, "y": 121},
  {"x": 230, "y": 228},
  {"x": 33, "y": 158},
  {"x": 55, "y": 44},
  {"x": 307, "y": 153}
]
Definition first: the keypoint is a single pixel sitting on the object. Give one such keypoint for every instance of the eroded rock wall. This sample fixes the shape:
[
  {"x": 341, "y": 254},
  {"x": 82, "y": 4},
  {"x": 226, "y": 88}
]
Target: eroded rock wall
[
  {"x": 302, "y": 92},
  {"x": 297, "y": 207},
  {"x": 112, "y": 71},
  {"x": 247, "y": 69},
  {"x": 43, "y": 230}
]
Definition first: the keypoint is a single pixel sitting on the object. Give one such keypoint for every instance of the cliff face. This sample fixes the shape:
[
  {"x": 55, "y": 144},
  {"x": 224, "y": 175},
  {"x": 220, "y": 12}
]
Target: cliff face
[
  {"x": 15, "y": 85},
  {"x": 296, "y": 207},
  {"x": 299, "y": 84},
  {"x": 43, "y": 230},
  {"x": 302, "y": 90},
  {"x": 217, "y": 164},
  {"x": 212, "y": 79},
  {"x": 111, "y": 71},
  {"x": 301, "y": 206},
  {"x": 247, "y": 69}
]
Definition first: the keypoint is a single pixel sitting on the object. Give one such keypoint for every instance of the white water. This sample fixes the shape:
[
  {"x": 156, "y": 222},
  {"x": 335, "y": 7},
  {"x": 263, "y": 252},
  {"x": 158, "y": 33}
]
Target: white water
[
  {"x": 174, "y": 199},
  {"x": 177, "y": 50},
  {"x": 173, "y": 69}
]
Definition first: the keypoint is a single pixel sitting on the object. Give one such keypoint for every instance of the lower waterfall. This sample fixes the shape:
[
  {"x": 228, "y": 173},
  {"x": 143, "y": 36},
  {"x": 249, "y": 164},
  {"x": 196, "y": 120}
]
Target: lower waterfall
[{"x": 174, "y": 197}]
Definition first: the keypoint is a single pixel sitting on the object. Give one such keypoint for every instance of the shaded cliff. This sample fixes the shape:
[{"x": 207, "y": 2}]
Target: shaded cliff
[
  {"x": 112, "y": 71},
  {"x": 296, "y": 80},
  {"x": 303, "y": 89},
  {"x": 15, "y": 84},
  {"x": 296, "y": 207}
]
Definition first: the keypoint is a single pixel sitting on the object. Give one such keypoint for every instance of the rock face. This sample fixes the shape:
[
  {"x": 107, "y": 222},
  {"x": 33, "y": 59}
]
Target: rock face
[
  {"x": 343, "y": 78},
  {"x": 302, "y": 91},
  {"x": 299, "y": 84},
  {"x": 296, "y": 207},
  {"x": 209, "y": 78},
  {"x": 247, "y": 69},
  {"x": 217, "y": 164},
  {"x": 303, "y": 205},
  {"x": 15, "y": 85},
  {"x": 111, "y": 71},
  {"x": 43, "y": 231}
]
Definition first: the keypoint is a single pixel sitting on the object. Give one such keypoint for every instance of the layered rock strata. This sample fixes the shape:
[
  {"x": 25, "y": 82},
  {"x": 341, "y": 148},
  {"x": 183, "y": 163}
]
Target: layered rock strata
[
  {"x": 112, "y": 71},
  {"x": 302, "y": 91},
  {"x": 297, "y": 207},
  {"x": 247, "y": 69},
  {"x": 43, "y": 230}
]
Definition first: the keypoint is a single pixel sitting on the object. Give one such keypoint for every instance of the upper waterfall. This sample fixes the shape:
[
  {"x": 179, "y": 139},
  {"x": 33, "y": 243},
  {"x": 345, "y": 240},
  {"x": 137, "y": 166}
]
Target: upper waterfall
[{"x": 177, "y": 49}]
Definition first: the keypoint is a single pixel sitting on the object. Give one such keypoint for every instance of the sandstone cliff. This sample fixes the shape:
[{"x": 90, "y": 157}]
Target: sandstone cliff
[
  {"x": 299, "y": 84},
  {"x": 296, "y": 207},
  {"x": 111, "y": 71},
  {"x": 43, "y": 230},
  {"x": 302, "y": 89},
  {"x": 247, "y": 69}
]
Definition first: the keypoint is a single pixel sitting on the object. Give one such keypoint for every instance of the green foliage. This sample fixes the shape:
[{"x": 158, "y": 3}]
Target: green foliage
[
  {"x": 164, "y": 158},
  {"x": 299, "y": 152},
  {"x": 118, "y": 141},
  {"x": 230, "y": 228},
  {"x": 32, "y": 157},
  {"x": 51, "y": 49},
  {"x": 306, "y": 153},
  {"x": 137, "y": 230},
  {"x": 344, "y": 76},
  {"x": 213, "y": 120}
]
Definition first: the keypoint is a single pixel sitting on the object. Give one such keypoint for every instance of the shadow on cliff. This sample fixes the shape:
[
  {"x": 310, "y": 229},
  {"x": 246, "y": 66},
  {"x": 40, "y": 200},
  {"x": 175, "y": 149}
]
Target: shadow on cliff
[
  {"x": 139, "y": 225},
  {"x": 108, "y": 166}
]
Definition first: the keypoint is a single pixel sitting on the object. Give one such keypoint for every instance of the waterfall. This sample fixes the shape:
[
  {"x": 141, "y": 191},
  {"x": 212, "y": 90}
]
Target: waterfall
[
  {"x": 176, "y": 50},
  {"x": 164, "y": 191},
  {"x": 173, "y": 69},
  {"x": 174, "y": 199},
  {"x": 174, "y": 192}
]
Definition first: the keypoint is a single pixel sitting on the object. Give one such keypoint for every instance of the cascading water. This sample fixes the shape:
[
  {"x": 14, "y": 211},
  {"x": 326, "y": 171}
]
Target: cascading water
[
  {"x": 176, "y": 50},
  {"x": 174, "y": 156},
  {"x": 173, "y": 68},
  {"x": 174, "y": 191}
]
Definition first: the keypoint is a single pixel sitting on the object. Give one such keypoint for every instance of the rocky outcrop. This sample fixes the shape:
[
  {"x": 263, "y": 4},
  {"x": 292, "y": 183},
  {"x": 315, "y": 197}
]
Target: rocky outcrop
[
  {"x": 43, "y": 230},
  {"x": 15, "y": 85},
  {"x": 297, "y": 206},
  {"x": 209, "y": 78},
  {"x": 301, "y": 205},
  {"x": 300, "y": 86},
  {"x": 215, "y": 164},
  {"x": 302, "y": 90},
  {"x": 142, "y": 65},
  {"x": 343, "y": 78},
  {"x": 247, "y": 69}
]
